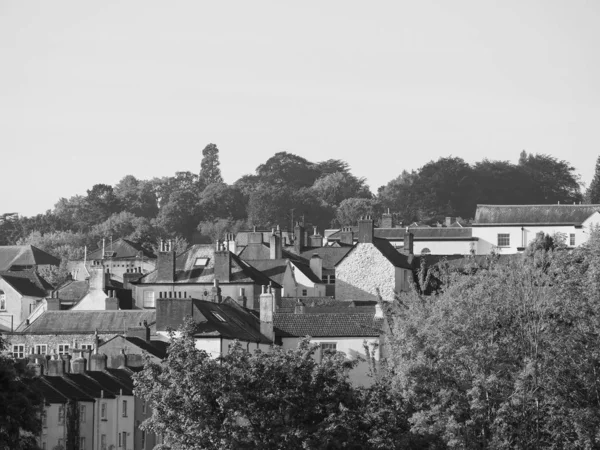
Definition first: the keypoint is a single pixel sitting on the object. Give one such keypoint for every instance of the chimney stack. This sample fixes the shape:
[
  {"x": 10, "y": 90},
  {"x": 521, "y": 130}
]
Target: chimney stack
[
  {"x": 316, "y": 266},
  {"x": 267, "y": 309},
  {"x": 275, "y": 246},
  {"x": 216, "y": 292},
  {"x": 222, "y": 264},
  {"x": 241, "y": 300},
  {"x": 316, "y": 240},
  {"x": 299, "y": 308},
  {"x": 449, "y": 221},
  {"x": 387, "y": 220},
  {"x": 408, "y": 243},
  {"x": 347, "y": 236},
  {"x": 56, "y": 366},
  {"x": 365, "y": 230},
  {"x": 298, "y": 238},
  {"x": 165, "y": 263},
  {"x": 78, "y": 365},
  {"x": 98, "y": 362}
]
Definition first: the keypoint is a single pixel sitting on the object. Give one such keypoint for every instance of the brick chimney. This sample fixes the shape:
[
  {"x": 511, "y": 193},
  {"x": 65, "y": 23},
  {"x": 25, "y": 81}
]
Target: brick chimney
[
  {"x": 241, "y": 300},
  {"x": 267, "y": 310},
  {"x": 119, "y": 360},
  {"x": 255, "y": 237},
  {"x": 449, "y": 221},
  {"x": 275, "y": 246},
  {"x": 165, "y": 263},
  {"x": 216, "y": 296},
  {"x": 298, "y": 238},
  {"x": 316, "y": 265},
  {"x": 347, "y": 236},
  {"x": 56, "y": 366},
  {"x": 387, "y": 220},
  {"x": 142, "y": 331},
  {"x": 316, "y": 240},
  {"x": 365, "y": 230},
  {"x": 408, "y": 243},
  {"x": 222, "y": 264},
  {"x": 78, "y": 365},
  {"x": 98, "y": 362},
  {"x": 112, "y": 302}
]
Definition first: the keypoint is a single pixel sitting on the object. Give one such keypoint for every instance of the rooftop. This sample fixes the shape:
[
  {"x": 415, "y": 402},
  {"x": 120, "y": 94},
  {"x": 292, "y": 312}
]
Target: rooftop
[
  {"x": 57, "y": 322},
  {"x": 24, "y": 255},
  {"x": 533, "y": 214},
  {"x": 121, "y": 248},
  {"x": 327, "y": 325},
  {"x": 27, "y": 282}
]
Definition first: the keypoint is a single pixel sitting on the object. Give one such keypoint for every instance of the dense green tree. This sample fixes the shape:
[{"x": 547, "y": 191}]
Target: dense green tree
[
  {"x": 332, "y": 166},
  {"x": 213, "y": 230},
  {"x": 593, "y": 193},
  {"x": 219, "y": 200},
  {"x": 399, "y": 197},
  {"x": 287, "y": 169},
  {"x": 20, "y": 404},
  {"x": 338, "y": 186},
  {"x": 181, "y": 182},
  {"x": 352, "y": 209},
  {"x": 137, "y": 196},
  {"x": 210, "y": 171},
  {"x": 501, "y": 183},
  {"x": 179, "y": 216},
  {"x": 552, "y": 180}
]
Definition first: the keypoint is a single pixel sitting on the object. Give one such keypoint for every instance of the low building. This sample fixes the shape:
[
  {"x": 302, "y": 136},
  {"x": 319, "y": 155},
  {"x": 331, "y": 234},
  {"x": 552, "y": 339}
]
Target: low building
[{"x": 21, "y": 292}]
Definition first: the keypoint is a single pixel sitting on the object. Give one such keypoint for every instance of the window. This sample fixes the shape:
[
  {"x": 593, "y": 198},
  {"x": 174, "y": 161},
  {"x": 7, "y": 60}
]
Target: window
[
  {"x": 103, "y": 411},
  {"x": 81, "y": 413},
  {"x": 18, "y": 351},
  {"x": 325, "y": 279},
  {"x": 87, "y": 346},
  {"x": 218, "y": 316},
  {"x": 329, "y": 346},
  {"x": 103, "y": 442},
  {"x": 44, "y": 418},
  {"x": 124, "y": 408},
  {"x": 2, "y": 301},
  {"x": 82, "y": 443},
  {"x": 123, "y": 439},
  {"x": 149, "y": 299},
  {"x": 425, "y": 251},
  {"x": 331, "y": 279},
  {"x": 143, "y": 406},
  {"x": 143, "y": 440},
  {"x": 304, "y": 292},
  {"x": 61, "y": 415},
  {"x": 503, "y": 240},
  {"x": 63, "y": 349},
  {"x": 41, "y": 349},
  {"x": 201, "y": 262},
  {"x": 572, "y": 239}
]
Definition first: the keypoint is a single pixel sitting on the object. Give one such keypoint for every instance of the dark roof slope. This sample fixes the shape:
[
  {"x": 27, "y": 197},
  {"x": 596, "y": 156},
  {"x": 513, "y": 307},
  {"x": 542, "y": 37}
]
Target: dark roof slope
[
  {"x": 392, "y": 255},
  {"x": 110, "y": 383},
  {"x": 27, "y": 282},
  {"x": 24, "y": 255},
  {"x": 327, "y": 325},
  {"x": 122, "y": 249},
  {"x": 89, "y": 321},
  {"x": 273, "y": 268},
  {"x": 533, "y": 214},
  {"x": 155, "y": 348},
  {"x": 89, "y": 385},
  {"x": 66, "y": 389},
  {"x": 73, "y": 290},
  {"x": 330, "y": 255}
]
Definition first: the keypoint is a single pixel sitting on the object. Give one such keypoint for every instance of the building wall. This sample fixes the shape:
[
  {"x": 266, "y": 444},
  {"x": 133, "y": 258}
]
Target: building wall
[
  {"x": 126, "y": 422},
  {"x": 440, "y": 247},
  {"x": 304, "y": 283},
  {"x": 13, "y": 313},
  {"x": 108, "y": 426},
  {"x": 53, "y": 340},
  {"x": 54, "y": 430},
  {"x": 197, "y": 291},
  {"x": 354, "y": 349},
  {"x": 362, "y": 272},
  {"x": 523, "y": 236}
]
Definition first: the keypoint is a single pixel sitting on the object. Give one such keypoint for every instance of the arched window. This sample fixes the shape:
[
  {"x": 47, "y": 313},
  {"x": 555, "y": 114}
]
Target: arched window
[
  {"x": 425, "y": 251},
  {"x": 2, "y": 301}
]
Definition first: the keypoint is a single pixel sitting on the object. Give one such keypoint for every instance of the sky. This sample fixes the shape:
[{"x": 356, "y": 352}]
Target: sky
[{"x": 91, "y": 91}]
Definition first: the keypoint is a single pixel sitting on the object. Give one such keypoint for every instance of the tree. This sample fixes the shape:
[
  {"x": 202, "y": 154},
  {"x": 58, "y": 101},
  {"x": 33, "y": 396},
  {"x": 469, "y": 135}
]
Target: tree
[
  {"x": 215, "y": 230},
  {"x": 338, "y": 186},
  {"x": 20, "y": 404},
  {"x": 399, "y": 196},
  {"x": 501, "y": 183},
  {"x": 352, "y": 209},
  {"x": 594, "y": 189},
  {"x": 137, "y": 196},
  {"x": 209, "y": 167},
  {"x": 287, "y": 169},
  {"x": 179, "y": 216},
  {"x": 251, "y": 400},
  {"x": 221, "y": 201}
]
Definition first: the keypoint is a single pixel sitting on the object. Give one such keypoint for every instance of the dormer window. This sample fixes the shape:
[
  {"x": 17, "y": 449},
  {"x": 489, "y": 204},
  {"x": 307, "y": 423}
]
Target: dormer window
[{"x": 201, "y": 262}]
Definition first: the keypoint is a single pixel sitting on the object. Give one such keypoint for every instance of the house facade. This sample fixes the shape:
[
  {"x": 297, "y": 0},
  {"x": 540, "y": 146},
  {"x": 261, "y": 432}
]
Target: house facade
[{"x": 21, "y": 292}]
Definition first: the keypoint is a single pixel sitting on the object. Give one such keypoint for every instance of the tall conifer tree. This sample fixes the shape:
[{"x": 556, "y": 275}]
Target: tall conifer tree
[
  {"x": 594, "y": 190},
  {"x": 209, "y": 168}
]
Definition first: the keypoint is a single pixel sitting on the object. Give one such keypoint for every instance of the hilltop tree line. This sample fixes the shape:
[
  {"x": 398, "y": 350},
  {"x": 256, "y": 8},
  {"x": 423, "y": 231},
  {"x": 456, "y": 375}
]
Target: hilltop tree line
[
  {"x": 284, "y": 189},
  {"x": 501, "y": 355}
]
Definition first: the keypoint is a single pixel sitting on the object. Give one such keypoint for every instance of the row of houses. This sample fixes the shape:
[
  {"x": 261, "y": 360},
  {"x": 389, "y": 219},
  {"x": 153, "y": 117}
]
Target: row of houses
[{"x": 260, "y": 288}]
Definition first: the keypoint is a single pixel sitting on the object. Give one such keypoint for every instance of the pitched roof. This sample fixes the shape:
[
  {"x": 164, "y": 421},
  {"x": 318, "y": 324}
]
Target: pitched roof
[
  {"x": 273, "y": 268},
  {"x": 186, "y": 270},
  {"x": 122, "y": 249},
  {"x": 392, "y": 255},
  {"x": 327, "y": 325},
  {"x": 454, "y": 232},
  {"x": 533, "y": 214},
  {"x": 73, "y": 290},
  {"x": 238, "y": 323},
  {"x": 89, "y": 385},
  {"x": 330, "y": 255},
  {"x": 24, "y": 255},
  {"x": 334, "y": 306},
  {"x": 27, "y": 282},
  {"x": 155, "y": 348},
  {"x": 63, "y": 390},
  {"x": 110, "y": 383},
  {"x": 57, "y": 322}
]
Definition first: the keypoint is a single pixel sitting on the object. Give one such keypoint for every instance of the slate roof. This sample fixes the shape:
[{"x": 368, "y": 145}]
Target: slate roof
[
  {"x": 123, "y": 249},
  {"x": 72, "y": 290},
  {"x": 187, "y": 272},
  {"x": 110, "y": 383},
  {"x": 24, "y": 255},
  {"x": 155, "y": 348},
  {"x": 89, "y": 385},
  {"x": 54, "y": 322},
  {"x": 330, "y": 255},
  {"x": 533, "y": 214},
  {"x": 326, "y": 305},
  {"x": 327, "y": 325},
  {"x": 50, "y": 394},
  {"x": 275, "y": 269},
  {"x": 63, "y": 389},
  {"x": 240, "y": 323},
  {"x": 27, "y": 282},
  {"x": 454, "y": 232}
]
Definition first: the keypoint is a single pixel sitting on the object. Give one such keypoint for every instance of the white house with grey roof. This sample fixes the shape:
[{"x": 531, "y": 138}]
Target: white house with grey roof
[{"x": 508, "y": 229}]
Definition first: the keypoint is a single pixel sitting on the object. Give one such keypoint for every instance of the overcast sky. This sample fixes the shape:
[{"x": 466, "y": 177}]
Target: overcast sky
[{"x": 91, "y": 91}]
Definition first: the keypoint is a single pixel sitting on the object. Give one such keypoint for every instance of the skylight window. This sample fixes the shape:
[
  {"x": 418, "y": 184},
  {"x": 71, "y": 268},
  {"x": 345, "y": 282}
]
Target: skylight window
[
  {"x": 201, "y": 262},
  {"x": 218, "y": 316}
]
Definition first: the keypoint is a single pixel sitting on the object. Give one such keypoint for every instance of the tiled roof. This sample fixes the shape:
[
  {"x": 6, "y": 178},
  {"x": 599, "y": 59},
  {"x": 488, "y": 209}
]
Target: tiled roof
[
  {"x": 50, "y": 394},
  {"x": 330, "y": 255},
  {"x": 419, "y": 233},
  {"x": 326, "y": 305},
  {"x": 123, "y": 249},
  {"x": 327, "y": 325},
  {"x": 533, "y": 214},
  {"x": 273, "y": 268},
  {"x": 24, "y": 255},
  {"x": 72, "y": 290},
  {"x": 155, "y": 348},
  {"x": 187, "y": 272},
  {"x": 27, "y": 282},
  {"x": 89, "y": 321}
]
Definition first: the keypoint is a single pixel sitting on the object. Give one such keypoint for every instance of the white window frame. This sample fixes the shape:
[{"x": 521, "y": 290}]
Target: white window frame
[
  {"x": 572, "y": 239},
  {"x": 87, "y": 346},
  {"x": 41, "y": 349},
  {"x": 103, "y": 408},
  {"x": 149, "y": 299},
  {"x": 18, "y": 351},
  {"x": 504, "y": 237},
  {"x": 63, "y": 349},
  {"x": 124, "y": 408}
]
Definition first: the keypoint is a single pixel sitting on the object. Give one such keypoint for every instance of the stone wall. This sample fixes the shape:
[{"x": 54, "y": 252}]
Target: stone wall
[
  {"x": 54, "y": 340},
  {"x": 362, "y": 272}
]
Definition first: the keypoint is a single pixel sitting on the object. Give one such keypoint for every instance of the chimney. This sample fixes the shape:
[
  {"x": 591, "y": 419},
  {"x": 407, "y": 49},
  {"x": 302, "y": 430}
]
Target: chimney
[
  {"x": 298, "y": 238},
  {"x": 66, "y": 362},
  {"x": 255, "y": 237},
  {"x": 299, "y": 308},
  {"x": 216, "y": 292},
  {"x": 275, "y": 246},
  {"x": 347, "y": 236},
  {"x": 111, "y": 304},
  {"x": 408, "y": 243},
  {"x": 378, "y": 311},
  {"x": 241, "y": 300},
  {"x": 387, "y": 220},
  {"x": 78, "y": 365},
  {"x": 449, "y": 221},
  {"x": 53, "y": 304},
  {"x": 316, "y": 240},
  {"x": 316, "y": 265},
  {"x": 230, "y": 242},
  {"x": 35, "y": 367},
  {"x": 222, "y": 264},
  {"x": 267, "y": 309},
  {"x": 98, "y": 362},
  {"x": 56, "y": 366},
  {"x": 140, "y": 332},
  {"x": 135, "y": 360},
  {"x": 119, "y": 360},
  {"x": 129, "y": 277},
  {"x": 165, "y": 263},
  {"x": 365, "y": 230}
]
